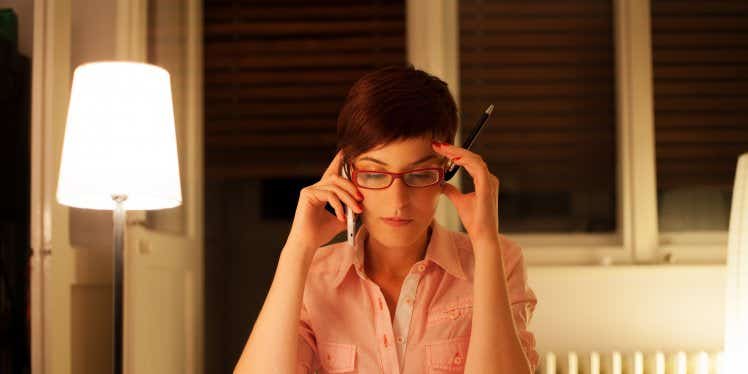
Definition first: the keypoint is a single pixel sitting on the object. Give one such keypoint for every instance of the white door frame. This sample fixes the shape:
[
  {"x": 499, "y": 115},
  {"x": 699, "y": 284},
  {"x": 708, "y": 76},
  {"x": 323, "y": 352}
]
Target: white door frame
[{"x": 50, "y": 91}]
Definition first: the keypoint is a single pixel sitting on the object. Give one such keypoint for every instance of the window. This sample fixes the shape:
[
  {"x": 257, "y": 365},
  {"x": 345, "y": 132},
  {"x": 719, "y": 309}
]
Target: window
[
  {"x": 548, "y": 67},
  {"x": 700, "y": 58},
  {"x": 611, "y": 116}
]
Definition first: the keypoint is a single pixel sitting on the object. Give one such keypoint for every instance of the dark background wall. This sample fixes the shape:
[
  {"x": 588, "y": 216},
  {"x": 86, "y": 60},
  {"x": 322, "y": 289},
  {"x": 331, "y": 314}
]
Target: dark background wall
[{"x": 15, "y": 124}]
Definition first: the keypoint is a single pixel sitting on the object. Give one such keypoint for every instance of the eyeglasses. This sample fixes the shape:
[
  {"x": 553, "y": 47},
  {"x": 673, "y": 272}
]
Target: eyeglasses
[{"x": 377, "y": 180}]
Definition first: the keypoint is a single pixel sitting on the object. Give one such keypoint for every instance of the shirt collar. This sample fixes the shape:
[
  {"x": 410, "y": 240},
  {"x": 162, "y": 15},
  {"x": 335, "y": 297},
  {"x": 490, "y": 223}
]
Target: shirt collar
[{"x": 441, "y": 250}]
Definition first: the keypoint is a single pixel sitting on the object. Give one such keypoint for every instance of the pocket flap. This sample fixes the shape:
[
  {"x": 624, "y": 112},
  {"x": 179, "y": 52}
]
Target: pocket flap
[
  {"x": 452, "y": 311},
  {"x": 448, "y": 354},
  {"x": 337, "y": 357}
]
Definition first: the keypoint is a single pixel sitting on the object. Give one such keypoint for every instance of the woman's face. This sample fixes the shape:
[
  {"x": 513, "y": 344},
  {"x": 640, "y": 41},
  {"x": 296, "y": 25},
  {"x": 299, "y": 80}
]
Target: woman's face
[{"x": 399, "y": 200}]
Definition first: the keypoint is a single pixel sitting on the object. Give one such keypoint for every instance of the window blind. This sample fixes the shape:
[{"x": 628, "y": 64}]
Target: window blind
[
  {"x": 276, "y": 74},
  {"x": 548, "y": 67},
  {"x": 700, "y": 69}
]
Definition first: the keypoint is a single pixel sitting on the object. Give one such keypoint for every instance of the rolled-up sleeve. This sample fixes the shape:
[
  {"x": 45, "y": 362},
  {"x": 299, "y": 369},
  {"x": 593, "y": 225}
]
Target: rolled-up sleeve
[
  {"x": 307, "y": 358},
  {"x": 522, "y": 300}
]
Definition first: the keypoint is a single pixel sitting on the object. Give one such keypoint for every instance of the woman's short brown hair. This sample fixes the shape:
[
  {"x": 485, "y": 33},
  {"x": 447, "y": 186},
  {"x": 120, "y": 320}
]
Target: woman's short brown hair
[{"x": 395, "y": 103}]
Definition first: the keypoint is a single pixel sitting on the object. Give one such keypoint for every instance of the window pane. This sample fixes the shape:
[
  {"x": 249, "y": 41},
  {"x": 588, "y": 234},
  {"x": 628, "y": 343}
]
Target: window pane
[
  {"x": 700, "y": 57},
  {"x": 276, "y": 74},
  {"x": 548, "y": 67}
]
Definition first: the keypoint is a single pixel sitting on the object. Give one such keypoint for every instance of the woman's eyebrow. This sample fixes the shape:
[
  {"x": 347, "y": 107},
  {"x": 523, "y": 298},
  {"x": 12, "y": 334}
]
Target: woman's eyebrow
[{"x": 422, "y": 160}]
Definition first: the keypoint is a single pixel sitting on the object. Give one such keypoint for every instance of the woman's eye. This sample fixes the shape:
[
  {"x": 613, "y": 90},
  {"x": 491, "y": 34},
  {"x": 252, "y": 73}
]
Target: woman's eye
[
  {"x": 422, "y": 176},
  {"x": 373, "y": 176}
]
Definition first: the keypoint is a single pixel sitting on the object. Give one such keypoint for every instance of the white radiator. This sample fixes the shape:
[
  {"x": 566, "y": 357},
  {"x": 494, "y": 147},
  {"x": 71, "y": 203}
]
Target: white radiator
[{"x": 631, "y": 363}]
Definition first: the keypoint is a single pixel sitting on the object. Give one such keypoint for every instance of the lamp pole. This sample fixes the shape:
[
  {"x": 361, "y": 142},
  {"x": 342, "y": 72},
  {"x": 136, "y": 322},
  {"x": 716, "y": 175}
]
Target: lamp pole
[{"x": 119, "y": 224}]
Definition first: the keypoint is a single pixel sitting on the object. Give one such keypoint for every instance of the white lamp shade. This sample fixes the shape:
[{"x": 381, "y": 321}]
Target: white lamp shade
[
  {"x": 736, "y": 302},
  {"x": 120, "y": 139}
]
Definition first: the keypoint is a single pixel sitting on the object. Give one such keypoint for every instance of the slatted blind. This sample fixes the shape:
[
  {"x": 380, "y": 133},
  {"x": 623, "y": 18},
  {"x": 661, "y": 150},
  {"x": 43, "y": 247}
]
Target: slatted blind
[
  {"x": 700, "y": 57},
  {"x": 277, "y": 72},
  {"x": 548, "y": 67}
]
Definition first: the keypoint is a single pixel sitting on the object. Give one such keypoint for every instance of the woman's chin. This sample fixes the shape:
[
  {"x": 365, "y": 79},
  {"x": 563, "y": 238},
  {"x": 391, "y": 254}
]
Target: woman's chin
[{"x": 396, "y": 235}]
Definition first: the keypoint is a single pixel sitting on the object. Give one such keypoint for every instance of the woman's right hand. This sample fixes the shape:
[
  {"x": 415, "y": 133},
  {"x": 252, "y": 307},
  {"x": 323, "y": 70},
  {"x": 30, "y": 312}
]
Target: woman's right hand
[{"x": 313, "y": 225}]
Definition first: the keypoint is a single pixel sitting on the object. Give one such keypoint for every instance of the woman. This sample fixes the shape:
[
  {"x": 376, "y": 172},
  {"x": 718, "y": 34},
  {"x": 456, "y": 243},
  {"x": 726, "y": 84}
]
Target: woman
[{"x": 410, "y": 296}]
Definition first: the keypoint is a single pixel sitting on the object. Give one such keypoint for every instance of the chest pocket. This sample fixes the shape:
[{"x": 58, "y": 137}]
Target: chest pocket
[
  {"x": 337, "y": 357},
  {"x": 461, "y": 309},
  {"x": 447, "y": 355}
]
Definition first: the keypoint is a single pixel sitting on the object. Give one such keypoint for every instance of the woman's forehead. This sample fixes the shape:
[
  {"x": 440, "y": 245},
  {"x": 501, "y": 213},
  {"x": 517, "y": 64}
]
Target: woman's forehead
[
  {"x": 424, "y": 158},
  {"x": 402, "y": 153},
  {"x": 399, "y": 148}
]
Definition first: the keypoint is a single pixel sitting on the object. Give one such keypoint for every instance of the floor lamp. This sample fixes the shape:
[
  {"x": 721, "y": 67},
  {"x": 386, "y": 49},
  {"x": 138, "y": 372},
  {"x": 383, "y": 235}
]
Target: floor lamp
[
  {"x": 119, "y": 151},
  {"x": 736, "y": 301}
]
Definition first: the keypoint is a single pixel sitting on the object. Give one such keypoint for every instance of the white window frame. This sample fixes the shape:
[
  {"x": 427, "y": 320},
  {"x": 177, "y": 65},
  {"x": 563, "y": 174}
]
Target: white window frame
[{"x": 433, "y": 45}]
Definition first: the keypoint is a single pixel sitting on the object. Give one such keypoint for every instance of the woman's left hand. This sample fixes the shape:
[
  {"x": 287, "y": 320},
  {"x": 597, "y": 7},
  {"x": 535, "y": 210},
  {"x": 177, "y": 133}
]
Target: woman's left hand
[{"x": 478, "y": 210}]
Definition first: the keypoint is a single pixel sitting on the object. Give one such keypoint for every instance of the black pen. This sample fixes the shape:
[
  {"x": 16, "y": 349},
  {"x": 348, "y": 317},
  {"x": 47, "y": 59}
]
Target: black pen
[{"x": 452, "y": 170}]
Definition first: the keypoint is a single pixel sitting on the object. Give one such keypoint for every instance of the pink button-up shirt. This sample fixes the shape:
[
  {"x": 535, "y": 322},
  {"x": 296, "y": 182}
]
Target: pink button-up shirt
[{"x": 345, "y": 324}]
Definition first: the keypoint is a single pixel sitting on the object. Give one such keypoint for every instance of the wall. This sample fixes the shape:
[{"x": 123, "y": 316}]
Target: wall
[{"x": 645, "y": 307}]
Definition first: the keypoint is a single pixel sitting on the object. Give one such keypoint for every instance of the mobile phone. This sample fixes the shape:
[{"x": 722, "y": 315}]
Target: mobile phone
[
  {"x": 352, "y": 222},
  {"x": 350, "y": 216}
]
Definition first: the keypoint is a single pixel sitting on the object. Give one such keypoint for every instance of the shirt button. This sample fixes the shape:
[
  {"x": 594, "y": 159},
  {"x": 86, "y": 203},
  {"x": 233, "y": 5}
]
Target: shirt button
[
  {"x": 421, "y": 267},
  {"x": 400, "y": 339},
  {"x": 458, "y": 360},
  {"x": 409, "y": 301}
]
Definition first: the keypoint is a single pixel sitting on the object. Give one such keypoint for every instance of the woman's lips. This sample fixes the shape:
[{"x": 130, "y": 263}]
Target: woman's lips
[{"x": 396, "y": 222}]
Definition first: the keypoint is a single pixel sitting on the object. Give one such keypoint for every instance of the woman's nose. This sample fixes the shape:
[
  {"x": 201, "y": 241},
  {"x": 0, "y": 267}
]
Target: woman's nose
[{"x": 399, "y": 190}]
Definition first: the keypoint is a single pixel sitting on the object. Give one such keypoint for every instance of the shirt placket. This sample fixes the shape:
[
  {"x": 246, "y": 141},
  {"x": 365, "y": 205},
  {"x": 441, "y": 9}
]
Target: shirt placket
[
  {"x": 404, "y": 310},
  {"x": 385, "y": 336},
  {"x": 392, "y": 339},
  {"x": 382, "y": 326}
]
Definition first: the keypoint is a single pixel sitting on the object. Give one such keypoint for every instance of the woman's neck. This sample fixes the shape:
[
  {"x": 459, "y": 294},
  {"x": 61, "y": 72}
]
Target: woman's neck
[{"x": 381, "y": 261}]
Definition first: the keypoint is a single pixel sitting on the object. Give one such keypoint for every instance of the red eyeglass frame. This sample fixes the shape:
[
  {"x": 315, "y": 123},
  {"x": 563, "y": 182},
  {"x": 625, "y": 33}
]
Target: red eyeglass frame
[{"x": 355, "y": 172}]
